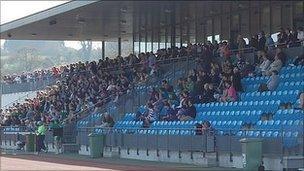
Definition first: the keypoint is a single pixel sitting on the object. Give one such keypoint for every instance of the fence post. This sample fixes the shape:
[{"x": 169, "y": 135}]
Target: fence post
[
  {"x": 146, "y": 135},
  {"x": 179, "y": 148},
  {"x": 191, "y": 147},
  {"x": 230, "y": 152},
  {"x": 137, "y": 144},
  {"x": 173, "y": 68},
  {"x": 157, "y": 150},
  {"x": 168, "y": 151}
]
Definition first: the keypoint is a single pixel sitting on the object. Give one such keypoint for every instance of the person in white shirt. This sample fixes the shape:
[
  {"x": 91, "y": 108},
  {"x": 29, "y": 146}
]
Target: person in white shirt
[
  {"x": 276, "y": 65},
  {"x": 17, "y": 79},
  {"x": 300, "y": 35},
  {"x": 264, "y": 65}
]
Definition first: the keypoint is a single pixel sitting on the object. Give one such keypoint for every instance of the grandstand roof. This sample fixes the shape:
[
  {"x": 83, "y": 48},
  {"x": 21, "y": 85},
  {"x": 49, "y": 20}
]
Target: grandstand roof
[{"x": 75, "y": 20}]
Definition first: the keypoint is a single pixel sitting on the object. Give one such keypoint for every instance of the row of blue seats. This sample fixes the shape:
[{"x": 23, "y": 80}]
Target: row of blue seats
[
  {"x": 11, "y": 129},
  {"x": 289, "y": 114},
  {"x": 231, "y": 113},
  {"x": 237, "y": 103},
  {"x": 166, "y": 132},
  {"x": 283, "y": 78},
  {"x": 294, "y": 85},
  {"x": 129, "y": 117},
  {"x": 290, "y": 138},
  {"x": 173, "y": 124},
  {"x": 292, "y": 69},
  {"x": 269, "y": 134},
  {"x": 264, "y": 105},
  {"x": 289, "y": 111},
  {"x": 142, "y": 87},
  {"x": 245, "y": 118},
  {"x": 295, "y": 125},
  {"x": 82, "y": 123},
  {"x": 283, "y": 96},
  {"x": 128, "y": 124}
]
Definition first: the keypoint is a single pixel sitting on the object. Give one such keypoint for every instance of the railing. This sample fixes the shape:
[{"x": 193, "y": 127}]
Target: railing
[
  {"x": 175, "y": 142},
  {"x": 187, "y": 140}
]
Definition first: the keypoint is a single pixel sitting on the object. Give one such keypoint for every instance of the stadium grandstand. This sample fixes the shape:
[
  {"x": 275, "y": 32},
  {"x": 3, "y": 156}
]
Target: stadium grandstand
[{"x": 209, "y": 84}]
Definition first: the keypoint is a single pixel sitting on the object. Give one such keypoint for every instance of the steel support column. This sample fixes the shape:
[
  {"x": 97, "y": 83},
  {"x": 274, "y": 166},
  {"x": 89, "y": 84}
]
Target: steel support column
[
  {"x": 103, "y": 50},
  {"x": 173, "y": 25},
  {"x": 119, "y": 46}
]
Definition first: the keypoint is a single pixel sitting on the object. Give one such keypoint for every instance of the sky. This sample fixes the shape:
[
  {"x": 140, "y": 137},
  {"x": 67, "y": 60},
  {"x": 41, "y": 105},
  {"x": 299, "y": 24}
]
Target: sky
[{"x": 12, "y": 10}]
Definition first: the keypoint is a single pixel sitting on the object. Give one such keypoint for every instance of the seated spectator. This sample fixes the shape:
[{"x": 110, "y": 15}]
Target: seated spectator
[
  {"x": 263, "y": 67},
  {"x": 272, "y": 83},
  {"x": 261, "y": 41},
  {"x": 207, "y": 128},
  {"x": 229, "y": 94},
  {"x": 107, "y": 121},
  {"x": 215, "y": 78},
  {"x": 276, "y": 65},
  {"x": 166, "y": 86},
  {"x": 190, "y": 86},
  {"x": 168, "y": 113},
  {"x": 149, "y": 116},
  {"x": 187, "y": 112},
  {"x": 184, "y": 96},
  {"x": 236, "y": 80},
  {"x": 207, "y": 94},
  {"x": 299, "y": 60},
  {"x": 181, "y": 85},
  {"x": 269, "y": 42},
  {"x": 281, "y": 55},
  {"x": 301, "y": 104},
  {"x": 300, "y": 35}
]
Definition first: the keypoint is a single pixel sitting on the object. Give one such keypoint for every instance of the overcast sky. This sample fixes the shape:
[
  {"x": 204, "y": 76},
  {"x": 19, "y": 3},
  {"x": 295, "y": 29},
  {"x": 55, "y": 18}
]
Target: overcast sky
[{"x": 12, "y": 10}]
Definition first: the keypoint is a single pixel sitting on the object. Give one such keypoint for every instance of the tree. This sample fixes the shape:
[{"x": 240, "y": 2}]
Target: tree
[
  {"x": 86, "y": 50},
  {"x": 28, "y": 56}
]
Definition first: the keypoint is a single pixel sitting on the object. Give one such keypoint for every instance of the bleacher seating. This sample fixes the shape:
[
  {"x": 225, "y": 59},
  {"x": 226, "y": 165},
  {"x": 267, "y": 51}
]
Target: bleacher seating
[{"x": 228, "y": 118}]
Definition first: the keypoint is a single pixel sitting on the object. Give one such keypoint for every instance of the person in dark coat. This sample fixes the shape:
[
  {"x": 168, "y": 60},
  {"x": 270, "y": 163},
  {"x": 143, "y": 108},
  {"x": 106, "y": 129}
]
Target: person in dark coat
[
  {"x": 261, "y": 41},
  {"x": 236, "y": 80}
]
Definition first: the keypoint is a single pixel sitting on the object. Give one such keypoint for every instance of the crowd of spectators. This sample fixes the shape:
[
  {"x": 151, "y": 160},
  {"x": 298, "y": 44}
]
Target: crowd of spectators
[
  {"x": 39, "y": 75},
  {"x": 88, "y": 86},
  {"x": 216, "y": 81}
]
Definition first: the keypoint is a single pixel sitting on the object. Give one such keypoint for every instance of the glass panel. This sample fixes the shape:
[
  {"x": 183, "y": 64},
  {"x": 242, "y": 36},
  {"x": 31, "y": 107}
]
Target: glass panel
[
  {"x": 162, "y": 45},
  {"x": 149, "y": 44},
  {"x": 142, "y": 47},
  {"x": 136, "y": 48},
  {"x": 111, "y": 49},
  {"x": 155, "y": 47},
  {"x": 126, "y": 47}
]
